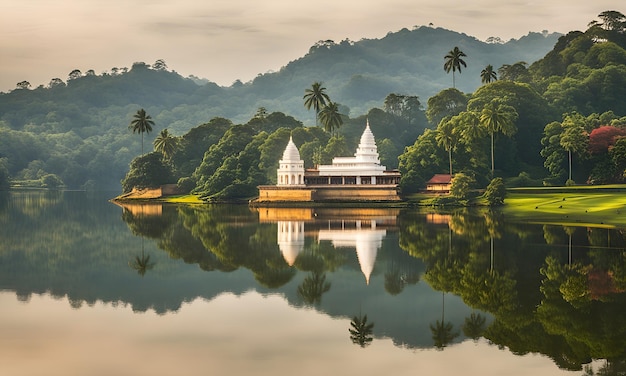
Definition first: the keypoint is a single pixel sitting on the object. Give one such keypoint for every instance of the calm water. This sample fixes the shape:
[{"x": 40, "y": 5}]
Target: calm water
[{"x": 90, "y": 288}]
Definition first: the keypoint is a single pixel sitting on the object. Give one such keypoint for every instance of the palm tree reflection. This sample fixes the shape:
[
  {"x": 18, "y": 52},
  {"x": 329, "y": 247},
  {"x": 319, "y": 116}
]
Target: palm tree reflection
[
  {"x": 141, "y": 263},
  {"x": 361, "y": 331},
  {"x": 442, "y": 330},
  {"x": 313, "y": 287}
]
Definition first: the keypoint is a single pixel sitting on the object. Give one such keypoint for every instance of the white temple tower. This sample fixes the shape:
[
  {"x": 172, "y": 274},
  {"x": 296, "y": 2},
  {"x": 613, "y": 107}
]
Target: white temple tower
[{"x": 291, "y": 168}]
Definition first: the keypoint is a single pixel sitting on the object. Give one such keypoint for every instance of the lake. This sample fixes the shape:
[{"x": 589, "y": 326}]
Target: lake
[{"x": 88, "y": 287}]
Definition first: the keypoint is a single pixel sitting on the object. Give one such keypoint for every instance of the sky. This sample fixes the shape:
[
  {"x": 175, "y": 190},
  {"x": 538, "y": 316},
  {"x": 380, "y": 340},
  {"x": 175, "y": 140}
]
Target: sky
[{"x": 226, "y": 40}]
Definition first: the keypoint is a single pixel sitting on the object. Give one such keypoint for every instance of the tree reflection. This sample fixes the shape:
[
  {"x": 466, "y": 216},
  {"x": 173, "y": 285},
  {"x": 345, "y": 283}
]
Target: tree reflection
[
  {"x": 474, "y": 326},
  {"x": 361, "y": 331},
  {"x": 396, "y": 279},
  {"x": 312, "y": 288},
  {"x": 141, "y": 263},
  {"x": 442, "y": 331}
]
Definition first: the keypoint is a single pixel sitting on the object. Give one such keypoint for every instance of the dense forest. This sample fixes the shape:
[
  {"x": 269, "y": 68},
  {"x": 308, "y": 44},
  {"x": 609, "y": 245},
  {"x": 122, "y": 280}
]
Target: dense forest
[{"x": 554, "y": 121}]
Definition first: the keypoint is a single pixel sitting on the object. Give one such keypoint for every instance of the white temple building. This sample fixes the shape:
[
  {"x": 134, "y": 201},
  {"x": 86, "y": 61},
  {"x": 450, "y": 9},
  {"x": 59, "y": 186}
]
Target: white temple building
[
  {"x": 291, "y": 167},
  {"x": 357, "y": 178}
]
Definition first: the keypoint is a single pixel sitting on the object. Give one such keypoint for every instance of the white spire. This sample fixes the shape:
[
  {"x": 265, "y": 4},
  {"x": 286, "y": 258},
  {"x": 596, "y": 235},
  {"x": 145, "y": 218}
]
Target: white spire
[
  {"x": 367, "y": 150},
  {"x": 291, "y": 153}
]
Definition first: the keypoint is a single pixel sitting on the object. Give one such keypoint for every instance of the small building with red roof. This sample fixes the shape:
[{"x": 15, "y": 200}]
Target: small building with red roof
[{"x": 440, "y": 183}]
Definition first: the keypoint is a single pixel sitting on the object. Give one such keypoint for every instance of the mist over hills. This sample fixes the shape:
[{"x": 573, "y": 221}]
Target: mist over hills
[{"x": 358, "y": 75}]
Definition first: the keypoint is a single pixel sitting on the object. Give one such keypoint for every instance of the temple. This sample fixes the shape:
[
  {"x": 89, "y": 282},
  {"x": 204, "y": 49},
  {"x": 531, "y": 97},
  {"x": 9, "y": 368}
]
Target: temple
[{"x": 357, "y": 178}]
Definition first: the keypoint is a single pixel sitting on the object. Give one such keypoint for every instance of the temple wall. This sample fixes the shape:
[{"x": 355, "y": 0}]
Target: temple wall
[
  {"x": 336, "y": 193},
  {"x": 284, "y": 193},
  {"x": 353, "y": 193}
]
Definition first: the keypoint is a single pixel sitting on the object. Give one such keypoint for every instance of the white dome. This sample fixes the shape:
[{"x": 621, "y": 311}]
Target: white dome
[{"x": 291, "y": 153}]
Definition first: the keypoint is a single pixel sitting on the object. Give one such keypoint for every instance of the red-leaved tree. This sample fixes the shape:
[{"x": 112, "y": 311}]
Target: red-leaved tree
[{"x": 600, "y": 139}]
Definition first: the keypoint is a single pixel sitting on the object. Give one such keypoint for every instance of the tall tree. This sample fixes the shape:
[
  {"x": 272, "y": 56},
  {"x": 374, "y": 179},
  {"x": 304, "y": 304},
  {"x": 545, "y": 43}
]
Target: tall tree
[
  {"x": 447, "y": 137},
  {"x": 166, "y": 144},
  {"x": 330, "y": 117},
  {"x": 141, "y": 123},
  {"x": 574, "y": 139},
  {"x": 453, "y": 62},
  {"x": 315, "y": 97},
  {"x": 498, "y": 117},
  {"x": 488, "y": 74}
]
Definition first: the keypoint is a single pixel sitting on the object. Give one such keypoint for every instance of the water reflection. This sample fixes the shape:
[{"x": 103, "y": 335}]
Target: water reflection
[
  {"x": 360, "y": 229},
  {"x": 428, "y": 280}
]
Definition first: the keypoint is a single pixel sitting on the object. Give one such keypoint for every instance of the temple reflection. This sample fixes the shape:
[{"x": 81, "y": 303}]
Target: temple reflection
[{"x": 360, "y": 229}]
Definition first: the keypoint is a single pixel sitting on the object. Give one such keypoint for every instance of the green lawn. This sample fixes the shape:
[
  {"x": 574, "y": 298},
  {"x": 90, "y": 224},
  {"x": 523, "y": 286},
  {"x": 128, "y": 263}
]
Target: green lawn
[{"x": 599, "y": 206}]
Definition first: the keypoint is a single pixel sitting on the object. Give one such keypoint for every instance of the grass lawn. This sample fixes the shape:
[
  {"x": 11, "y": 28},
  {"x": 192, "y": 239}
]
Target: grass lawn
[
  {"x": 185, "y": 199},
  {"x": 598, "y": 206}
]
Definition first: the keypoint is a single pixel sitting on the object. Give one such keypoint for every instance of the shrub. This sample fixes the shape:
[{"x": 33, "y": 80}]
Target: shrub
[
  {"x": 495, "y": 192},
  {"x": 462, "y": 186},
  {"x": 186, "y": 184}
]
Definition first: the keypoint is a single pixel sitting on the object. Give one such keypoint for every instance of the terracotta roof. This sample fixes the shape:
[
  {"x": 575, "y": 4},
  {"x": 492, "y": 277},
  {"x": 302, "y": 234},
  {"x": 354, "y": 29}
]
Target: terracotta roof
[{"x": 440, "y": 179}]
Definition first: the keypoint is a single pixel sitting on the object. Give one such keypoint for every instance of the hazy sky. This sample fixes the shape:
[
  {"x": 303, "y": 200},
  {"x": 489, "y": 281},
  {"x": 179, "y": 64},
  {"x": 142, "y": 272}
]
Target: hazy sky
[{"x": 225, "y": 40}]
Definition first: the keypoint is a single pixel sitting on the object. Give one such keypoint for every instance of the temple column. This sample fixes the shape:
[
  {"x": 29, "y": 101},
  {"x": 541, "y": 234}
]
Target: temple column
[
  {"x": 358, "y": 180},
  {"x": 373, "y": 179}
]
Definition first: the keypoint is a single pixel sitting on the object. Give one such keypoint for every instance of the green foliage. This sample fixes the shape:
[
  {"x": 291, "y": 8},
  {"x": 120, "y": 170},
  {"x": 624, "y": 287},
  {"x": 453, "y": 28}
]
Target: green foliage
[
  {"x": 186, "y": 184},
  {"x": 147, "y": 171},
  {"x": 523, "y": 180},
  {"x": 420, "y": 162},
  {"x": 51, "y": 181},
  {"x": 495, "y": 192},
  {"x": 462, "y": 186},
  {"x": 448, "y": 102}
]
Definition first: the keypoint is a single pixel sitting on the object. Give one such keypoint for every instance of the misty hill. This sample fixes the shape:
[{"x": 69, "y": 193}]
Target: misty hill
[
  {"x": 361, "y": 74},
  {"x": 357, "y": 74}
]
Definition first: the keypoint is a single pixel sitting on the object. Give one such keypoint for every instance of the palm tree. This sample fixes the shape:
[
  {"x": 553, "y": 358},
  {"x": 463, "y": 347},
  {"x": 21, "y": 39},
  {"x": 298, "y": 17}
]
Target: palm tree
[
  {"x": 361, "y": 331},
  {"x": 330, "y": 117},
  {"x": 141, "y": 123},
  {"x": 166, "y": 144},
  {"x": 471, "y": 129},
  {"x": 498, "y": 117},
  {"x": 315, "y": 97},
  {"x": 453, "y": 62},
  {"x": 574, "y": 139},
  {"x": 488, "y": 74},
  {"x": 446, "y": 137}
]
